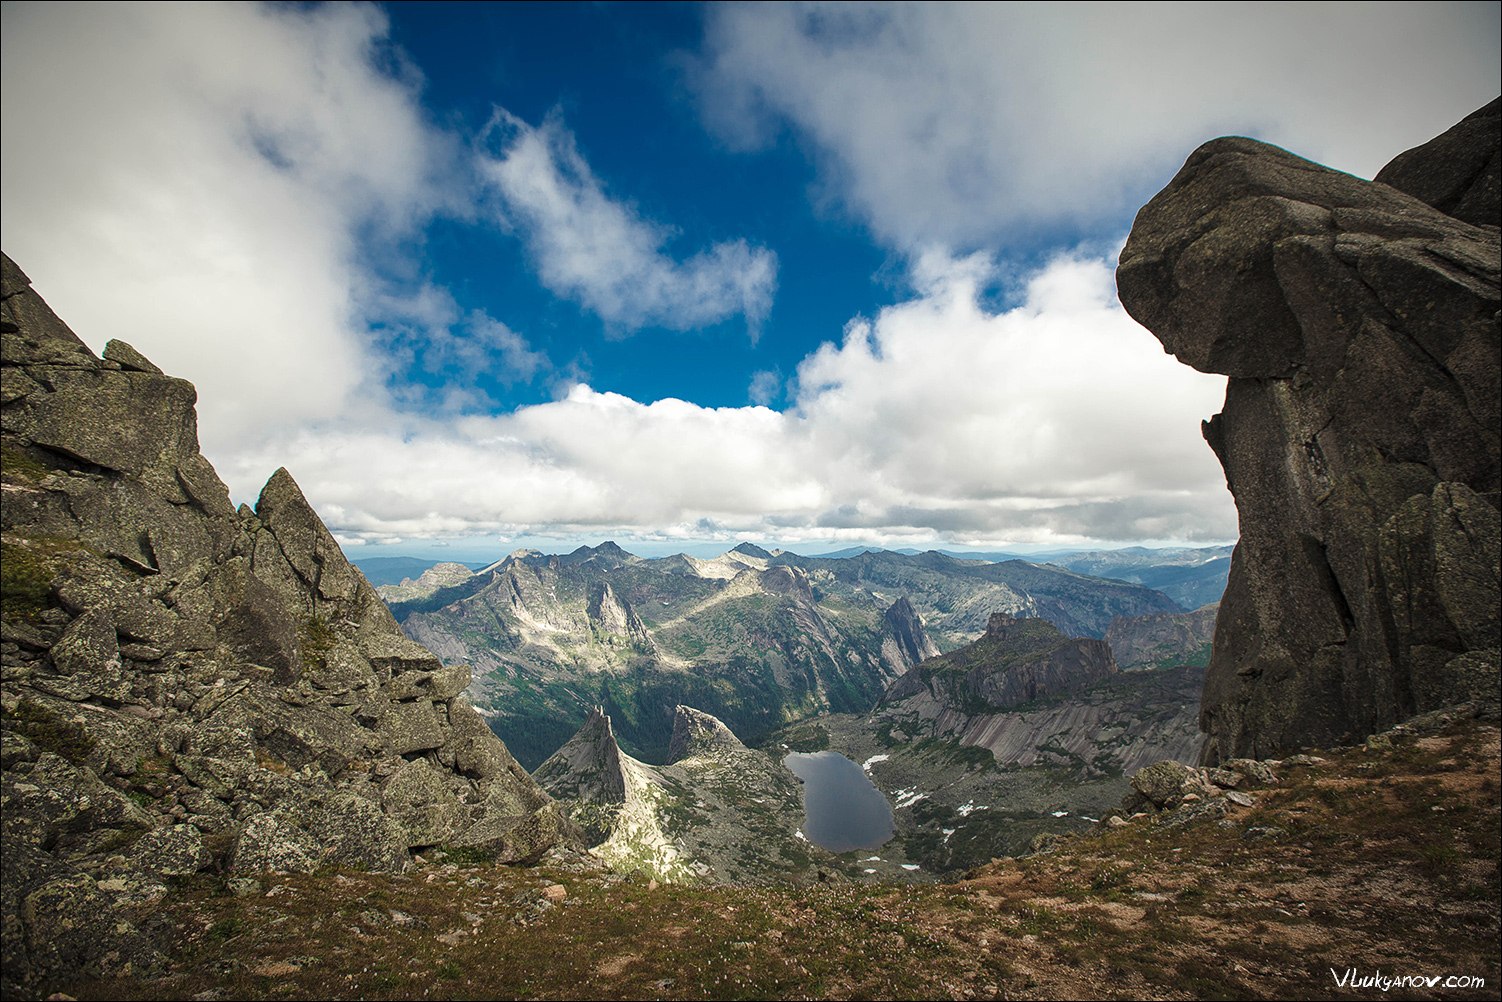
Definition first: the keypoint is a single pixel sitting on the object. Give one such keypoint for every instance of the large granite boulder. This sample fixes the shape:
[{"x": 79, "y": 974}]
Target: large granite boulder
[
  {"x": 189, "y": 687},
  {"x": 1360, "y": 435}
]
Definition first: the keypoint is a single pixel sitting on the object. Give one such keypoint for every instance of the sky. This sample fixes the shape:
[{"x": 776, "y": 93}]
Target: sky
[{"x": 484, "y": 276}]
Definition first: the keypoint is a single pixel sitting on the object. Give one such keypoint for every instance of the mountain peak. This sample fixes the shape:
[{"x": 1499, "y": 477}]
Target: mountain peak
[
  {"x": 906, "y": 643},
  {"x": 588, "y": 767},
  {"x": 607, "y": 553},
  {"x": 696, "y": 732},
  {"x": 751, "y": 550}
]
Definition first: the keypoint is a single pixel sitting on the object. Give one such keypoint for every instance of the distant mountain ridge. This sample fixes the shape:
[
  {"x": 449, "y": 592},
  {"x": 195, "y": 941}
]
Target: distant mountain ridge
[{"x": 758, "y": 638}]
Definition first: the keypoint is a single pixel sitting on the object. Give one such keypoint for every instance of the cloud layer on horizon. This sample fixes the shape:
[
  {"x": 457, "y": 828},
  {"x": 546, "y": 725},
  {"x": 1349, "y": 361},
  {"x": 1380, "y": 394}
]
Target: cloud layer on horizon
[{"x": 936, "y": 420}]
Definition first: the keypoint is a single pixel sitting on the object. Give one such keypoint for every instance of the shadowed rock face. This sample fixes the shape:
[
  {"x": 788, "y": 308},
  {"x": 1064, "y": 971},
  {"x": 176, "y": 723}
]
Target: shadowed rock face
[
  {"x": 189, "y": 687},
  {"x": 695, "y": 732},
  {"x": 1359, "y": 326},
  {"x": 1018, "y": 661}
]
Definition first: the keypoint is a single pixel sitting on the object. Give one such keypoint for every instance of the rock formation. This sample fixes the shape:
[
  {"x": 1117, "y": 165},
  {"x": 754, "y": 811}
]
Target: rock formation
[
  {"x": 590, "y": 766},
  {"x": 904, "y": 642},
  {"x": 612, "y": 619},
  {"x": 431, "y": 581},
  {"x": 718, "y": 811},
  {"x": 1031, "y": 696},
  {"x": 1018, "y": 661},
  {"x": 1358, "y": 322},
  {"x": 1163, "y": 639},
  {"x": 696, "y": 733},
  {"x": 189, "y": 687}
]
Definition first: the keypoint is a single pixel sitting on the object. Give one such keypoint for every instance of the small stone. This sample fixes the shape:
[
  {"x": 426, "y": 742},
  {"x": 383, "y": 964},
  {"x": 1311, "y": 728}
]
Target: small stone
[
  {"x": 554, "y": 893},
  {"x": 1304, "y": 760}
]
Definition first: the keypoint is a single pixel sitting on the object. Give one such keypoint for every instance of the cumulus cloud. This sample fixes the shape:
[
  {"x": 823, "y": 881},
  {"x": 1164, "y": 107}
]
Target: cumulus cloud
[
  {"x": 964, "y": 124},
  {"x": 1060, "y": 420},
  {"x": 193, "y": 179},
  {"x": 213, "y": 190},
  {"x": 601, "y": 252}
]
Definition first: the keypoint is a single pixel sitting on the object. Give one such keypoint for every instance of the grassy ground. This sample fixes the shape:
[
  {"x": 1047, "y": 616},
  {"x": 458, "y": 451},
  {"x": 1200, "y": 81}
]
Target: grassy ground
[{"x": 1380, "y": 861}]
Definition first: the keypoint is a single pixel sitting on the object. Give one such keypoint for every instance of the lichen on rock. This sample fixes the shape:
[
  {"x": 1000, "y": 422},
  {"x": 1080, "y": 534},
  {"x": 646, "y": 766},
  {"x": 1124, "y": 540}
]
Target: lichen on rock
[{"x": 188, "y": 687}]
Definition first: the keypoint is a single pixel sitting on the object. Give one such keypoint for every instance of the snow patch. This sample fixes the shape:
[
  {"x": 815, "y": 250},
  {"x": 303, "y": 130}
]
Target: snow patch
[
  {"x": 908, "y": 796},
  {"x": 868, "y": 763}
]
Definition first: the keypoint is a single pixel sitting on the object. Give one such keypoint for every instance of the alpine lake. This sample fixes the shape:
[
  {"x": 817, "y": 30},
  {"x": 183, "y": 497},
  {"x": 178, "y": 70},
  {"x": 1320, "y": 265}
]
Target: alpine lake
[{"x": 844, "y": 809}]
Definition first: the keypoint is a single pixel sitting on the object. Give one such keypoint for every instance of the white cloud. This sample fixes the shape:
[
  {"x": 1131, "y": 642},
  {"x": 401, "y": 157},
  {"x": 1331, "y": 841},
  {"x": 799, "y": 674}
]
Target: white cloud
[
  {"x": 765, "y": 388},
  {"x": 602, "y": 252},
  {"x": 426, "y": 330},
  {"x": 200, "y": 191},
  {"x": 191, "y": 178},
  {"x": 969, "y": 123},
  {"x": 1058, "y": 421}
]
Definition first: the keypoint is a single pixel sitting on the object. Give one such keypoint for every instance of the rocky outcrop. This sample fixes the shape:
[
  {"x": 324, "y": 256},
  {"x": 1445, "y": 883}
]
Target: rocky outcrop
[
  {"x": 590, "y": 766},
  {"x": 189, "y": 687},
  {"x": 1359, "y": 326},
  {"x": 1163, "y": 639},
  {"x": 1031, "y": 696},
  {"x": 613, "y": 620},
  {"x": 1018, "y": 661},
  {"x": 717, "y": 812},
  {"x": 430, "y": 582},
  {"x": 1457, "y": 171},
  {"x": 696, "y": 733},
  {"x": 904, "y": 642}
]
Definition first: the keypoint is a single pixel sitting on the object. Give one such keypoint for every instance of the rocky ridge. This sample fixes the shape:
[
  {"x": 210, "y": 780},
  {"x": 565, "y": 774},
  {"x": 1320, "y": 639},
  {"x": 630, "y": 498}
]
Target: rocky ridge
[
  {"x": 1359, "y": 326},
  {"x": 187, "y": 687},
  {"x": 1031, "y": 696},
  {"x": 717, "y": 812},
  {"x": 1018, "y": 661},
  {"x": 444, "y": 575}
]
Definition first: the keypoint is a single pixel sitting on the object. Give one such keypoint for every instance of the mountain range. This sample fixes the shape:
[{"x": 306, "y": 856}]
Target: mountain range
[{"x": 757, "y": 638}]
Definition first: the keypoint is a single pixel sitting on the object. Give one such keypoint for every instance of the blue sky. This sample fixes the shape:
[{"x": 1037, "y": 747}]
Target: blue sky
[{"x": 484, "y": 276}]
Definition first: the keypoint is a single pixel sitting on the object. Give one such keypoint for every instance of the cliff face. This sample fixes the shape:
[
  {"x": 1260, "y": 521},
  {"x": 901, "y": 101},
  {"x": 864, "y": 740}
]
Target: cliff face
[
  {"x": 1018, "y": 661},
  {"x": 1359, "y": 326},
  {"x": 189, "y": 687},
  {"x": 1163, "y": 639},
  {"x": 1031, "y": 696}
]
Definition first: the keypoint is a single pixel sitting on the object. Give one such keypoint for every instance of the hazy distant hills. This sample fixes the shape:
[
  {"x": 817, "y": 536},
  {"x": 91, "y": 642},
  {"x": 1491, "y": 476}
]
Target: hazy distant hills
[
  {"x": 1191, "y": 577},
  {"x": 393, "y": 570},
  {"x": 755, "y": 637}
]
